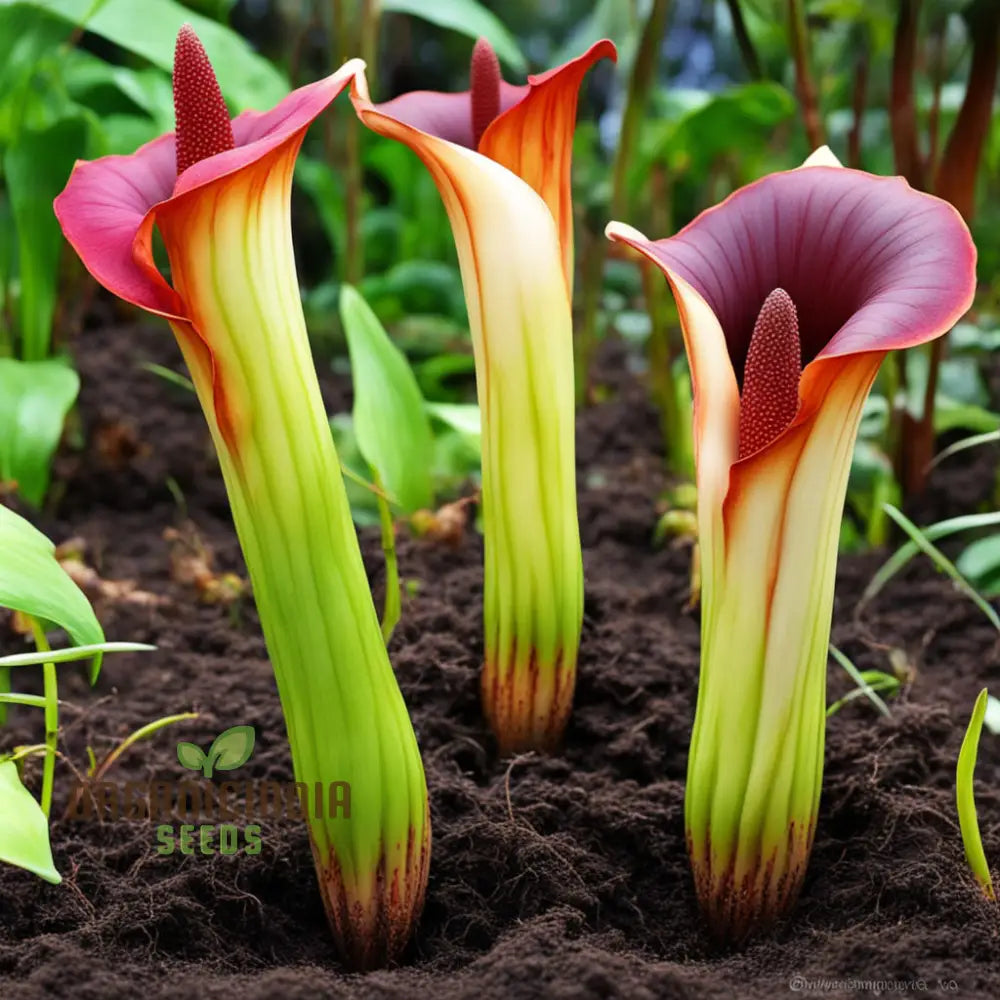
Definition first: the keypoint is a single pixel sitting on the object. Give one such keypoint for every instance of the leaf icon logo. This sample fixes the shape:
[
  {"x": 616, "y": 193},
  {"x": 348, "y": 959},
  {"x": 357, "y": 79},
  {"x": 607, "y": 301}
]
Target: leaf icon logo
[{"x": 229, "y": 750}]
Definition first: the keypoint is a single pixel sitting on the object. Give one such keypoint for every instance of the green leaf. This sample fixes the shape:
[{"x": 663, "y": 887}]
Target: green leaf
[
  {"x": 943, "y": 563},
  {"x": 247, "y": 79},
  {"x": 864, "y": 684},
  {"x": 71, "y": 655},
  {"x": 953, "y": 525},
  {"x": 24, "y": 832},
  {"x": 35, "y": 168},
  {"x": 462, "y": 417},
  {"x": 33, "y": 582},
  {"x": 392, "y": 427},
  {"x": 979, "y": 563},
  {"x": 35, "y": 397},
  {"x": 190, "y": 755},
  {"x": 230, "y": 749},
  {"x": 966, "y": 801},
  {"x": 742, "y": 117},
  {"x": 468, "y": 17}
]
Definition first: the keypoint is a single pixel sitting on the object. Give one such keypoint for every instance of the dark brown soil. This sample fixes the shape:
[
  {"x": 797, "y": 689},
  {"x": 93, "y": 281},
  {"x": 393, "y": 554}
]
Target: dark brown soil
[{"x": 563, "y": 877}]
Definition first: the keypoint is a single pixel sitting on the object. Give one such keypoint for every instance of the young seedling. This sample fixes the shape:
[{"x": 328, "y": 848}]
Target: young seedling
[{"x": 965, "y": 799}]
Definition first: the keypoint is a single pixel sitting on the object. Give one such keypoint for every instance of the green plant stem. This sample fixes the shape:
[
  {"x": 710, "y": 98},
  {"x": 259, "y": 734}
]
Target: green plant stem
[
  {"x": 585, "y": 342},
  {"x": 859, "y": 99},
  {"x": 35, "y": 750},
  {"x": 805, "y": 85},
  {"x": 902, "y": 104},
  {"x": 97, "y": 771},
  {"x": 391, "y": 607},
  {"x": 31, "y": 700},
  {"x": 140, "y": 734},
  {"x": 743, "y": 40},
  {"x": 640, "y": 86},
  {"x": 349, "y": 37},
  {"x": 955, "y": 181},
  {"x": 50, "y": 691},
  {"x": 937, "y": 73}
]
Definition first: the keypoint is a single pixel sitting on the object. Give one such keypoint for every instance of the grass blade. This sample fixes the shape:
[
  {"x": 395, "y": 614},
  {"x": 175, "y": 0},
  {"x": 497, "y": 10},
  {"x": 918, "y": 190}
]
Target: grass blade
[
  {"x": 863, "y": 686},
  {"x": 71, "y": 654},
  {"x": 953, "y": 525},
  {"x": 970, "y": 442},
  {"x": 966, "y": 801},
  {"x": 943, "y": 563}
]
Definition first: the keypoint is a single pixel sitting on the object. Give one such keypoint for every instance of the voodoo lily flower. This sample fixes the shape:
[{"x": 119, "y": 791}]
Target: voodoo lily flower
[
  {"x": 500, "y": 156},
  {"x": 219, "y": 193},
  {"x": 790, "y": 294}
]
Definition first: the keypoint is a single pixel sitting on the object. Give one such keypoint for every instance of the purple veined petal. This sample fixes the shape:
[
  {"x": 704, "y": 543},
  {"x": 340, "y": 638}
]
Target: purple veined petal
[
  {"x": 871, "y": 264},
  {"x": 445, "y": 116}
]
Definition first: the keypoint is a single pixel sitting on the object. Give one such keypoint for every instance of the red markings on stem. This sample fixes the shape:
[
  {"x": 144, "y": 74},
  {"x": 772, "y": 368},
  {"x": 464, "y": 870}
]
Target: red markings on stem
[
  {"x": 770, "y": 396},
  {"x": 203, "y": 126},
  {"x": 484, "y": 88}
]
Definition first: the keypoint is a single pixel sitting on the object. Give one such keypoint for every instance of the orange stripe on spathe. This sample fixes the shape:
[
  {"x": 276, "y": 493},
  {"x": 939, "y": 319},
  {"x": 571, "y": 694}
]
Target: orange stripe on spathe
[
  {"x": 203, "y": 126},
  {"x": 770, "y": 397},
  {"x": 484, "y": 88}
]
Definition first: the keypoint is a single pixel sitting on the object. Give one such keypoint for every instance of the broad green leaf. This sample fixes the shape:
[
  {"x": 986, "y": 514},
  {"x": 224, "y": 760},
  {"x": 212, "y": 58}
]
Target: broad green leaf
[
  {"x": 462, "y": 417},
  {"x": 33, "y": 582},
  {"x": 468, "y": 17},
  {"x": 230, "y": 749},
  {"x": 190, "y": 755},
  {"x": 36, "y": 167},
  {"x": 979, "y": 563},
  {"x": 150, "y": 30},
  {"x": 24, "y": 831},
  {"x": 606, "y": 19},
  {"x": 35, "y": 397},
  {"x": 741, "y": 117},
  {"x": 392, "y": 427},
  {"x": 90, "y": 81}
]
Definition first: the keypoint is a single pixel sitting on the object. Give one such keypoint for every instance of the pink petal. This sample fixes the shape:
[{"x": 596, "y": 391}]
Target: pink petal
[
  {"x": 101, "y": 211},
  {"x": 108, "y": 206}
]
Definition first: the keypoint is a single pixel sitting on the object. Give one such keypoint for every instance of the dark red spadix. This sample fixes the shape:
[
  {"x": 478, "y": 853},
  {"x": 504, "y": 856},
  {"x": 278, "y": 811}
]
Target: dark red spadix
[
  {"x": 484, "y": 88},
  {"x": 770, "y": 396},
  {"x": 203, "y": 126}
]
